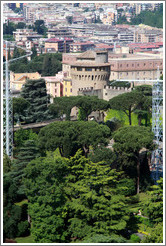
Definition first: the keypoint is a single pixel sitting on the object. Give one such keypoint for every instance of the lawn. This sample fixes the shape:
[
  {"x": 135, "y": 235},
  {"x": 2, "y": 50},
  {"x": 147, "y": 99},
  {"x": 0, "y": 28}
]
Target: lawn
[
  {"x": 28, "y": 239},
  {"x": 120, "y": 115}
]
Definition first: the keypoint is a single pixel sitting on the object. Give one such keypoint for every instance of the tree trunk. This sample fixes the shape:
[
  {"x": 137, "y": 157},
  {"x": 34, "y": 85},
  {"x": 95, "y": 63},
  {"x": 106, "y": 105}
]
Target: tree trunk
[
  {"x": 138, "y": 173},
  {"x": 146, "y": 120},
  {"x": 86, "y": 150},
  {"x": 130, "y": 117},
  {"x": 139, "y": 120},
  {"x": 61, "y": 151}
]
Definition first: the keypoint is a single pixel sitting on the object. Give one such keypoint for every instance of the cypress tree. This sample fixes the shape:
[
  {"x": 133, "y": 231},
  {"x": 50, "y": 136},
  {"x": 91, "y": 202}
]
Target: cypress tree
[
  {"x": 34, "y": 91},
  {"x": 27, "y": 153}
]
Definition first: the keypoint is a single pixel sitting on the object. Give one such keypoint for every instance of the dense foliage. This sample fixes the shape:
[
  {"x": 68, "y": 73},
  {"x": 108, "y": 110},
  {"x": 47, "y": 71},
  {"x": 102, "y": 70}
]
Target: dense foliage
[
  {"x": 130, "y": 101},
  {"x": 86, "y": 105},
  {"x": 70, "y": 136},
  {"x": 74, "y": 198},
  {"x": 45, "y": 64},
  {"x": 150, "y": 18},
  {"x": 129, "y": 141},
  {"x": 34, "y": 92}
]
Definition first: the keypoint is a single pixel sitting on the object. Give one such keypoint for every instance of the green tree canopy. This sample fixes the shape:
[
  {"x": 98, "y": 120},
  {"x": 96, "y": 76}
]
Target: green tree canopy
[
  {"x": 155, "y": 236},
  {"x": 63, "y": 105},
  {"x": 126, "y": 102},
  {"x": 94, "y": 202},
  {"x": 88, "y": 104},
  {"x": 27, "y": 152},
  {"x": 70, "y": 136},
  {"x": 50, "y": 65},
  {"x": 154, "y": 206},
  {"x": 20, "y": 105},
  {"x": 74, "y": 198},
  {"x": 6, "y": 163},
  {"x": 128, "y": 142},
  {"x": 34, "y": 91},
  {"x": 144, "y": 107},
  {"x": 37, "y": 64},
  {"x": 46, "y": 179},
  {"x": 40, "y": 27},
  {"x": 151, "y": 18}
]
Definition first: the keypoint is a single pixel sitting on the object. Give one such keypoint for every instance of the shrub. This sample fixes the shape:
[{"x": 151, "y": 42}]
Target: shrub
[
  {"x": 134, "y": 199},
  {"x": 135, "y": 239},
  {"x": 23, "y": 229},
  {"x": 100, "y": 238}
]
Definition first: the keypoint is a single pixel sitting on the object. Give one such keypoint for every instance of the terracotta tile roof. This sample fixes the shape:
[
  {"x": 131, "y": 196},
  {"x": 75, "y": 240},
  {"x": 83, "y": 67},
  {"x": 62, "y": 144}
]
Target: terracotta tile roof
[{"x": 88, "y": 54}]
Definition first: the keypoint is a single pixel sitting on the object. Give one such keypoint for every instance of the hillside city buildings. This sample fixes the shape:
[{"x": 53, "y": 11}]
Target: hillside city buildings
[{"x": 96, "y": 49}]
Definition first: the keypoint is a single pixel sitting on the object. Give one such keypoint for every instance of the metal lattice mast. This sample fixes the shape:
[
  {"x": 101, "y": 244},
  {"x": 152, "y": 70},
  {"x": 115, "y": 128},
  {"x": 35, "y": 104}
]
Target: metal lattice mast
[
  {"x": 8, "y": 106},
  {"x": 8, "y": 115},
  {"x": 157, "y": 128}
]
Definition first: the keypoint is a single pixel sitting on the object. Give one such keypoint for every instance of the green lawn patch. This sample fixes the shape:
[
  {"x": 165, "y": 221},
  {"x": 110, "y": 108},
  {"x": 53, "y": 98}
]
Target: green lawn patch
[
  {"x": 120, "y": 115},
  {"x": 28, "y": 239},
  {"x": 25, "y": 201}
]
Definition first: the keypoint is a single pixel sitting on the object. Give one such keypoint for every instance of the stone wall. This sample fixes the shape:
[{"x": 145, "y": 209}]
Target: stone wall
[{"x": 110, "y": 92}]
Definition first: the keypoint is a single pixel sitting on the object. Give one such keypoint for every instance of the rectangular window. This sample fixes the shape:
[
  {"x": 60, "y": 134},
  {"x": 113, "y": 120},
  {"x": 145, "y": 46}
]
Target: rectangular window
[
  {"x": 88, "y": 69},
  {"x": 65, "y": 89},
  {"x": 79, "y": 68},
  {"x": 70, "y": 90}
]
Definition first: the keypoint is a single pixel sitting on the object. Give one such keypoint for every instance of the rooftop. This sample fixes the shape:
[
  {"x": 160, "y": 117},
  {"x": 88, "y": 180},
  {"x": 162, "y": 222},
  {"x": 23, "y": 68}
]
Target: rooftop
[{"x": 88, "y": 54}]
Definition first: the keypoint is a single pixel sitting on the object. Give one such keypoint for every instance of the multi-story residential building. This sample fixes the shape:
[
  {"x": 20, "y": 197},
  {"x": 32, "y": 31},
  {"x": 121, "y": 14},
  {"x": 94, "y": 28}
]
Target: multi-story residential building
[
  {"x": 58, "y": 45},
  {"x": 126, "y": 36},
  {"x": 25, "y": 34},
  {"x": 67, "y": 86},
  {"x": 90, "y": 71},
  {"x": 17, "y": 80},
  {"x": 135, "y": 67},
  {"x": 144, "y": 35},
  {"x": 54, "y": 84},
  {"x": 59, "y": 32},
  {"x": 81, "y": 46},
  {"x": 110, "y": 17},
  {"x": 30, "y": 13}
]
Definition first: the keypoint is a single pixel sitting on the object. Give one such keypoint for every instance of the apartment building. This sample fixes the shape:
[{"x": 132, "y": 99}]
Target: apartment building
[
  {"x": 81, "y": 46},
  {"x": 58, "y": 45},
  {"x": 59, "y": 32},
  {"x": 126, "y": 36},
  {"x": 67, "y": 86},
  {"x": 25, "y": 34},
  {"x": 54, "y": 84},
  {"x": 143, "y": 35}
]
